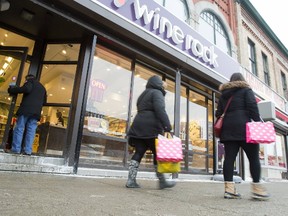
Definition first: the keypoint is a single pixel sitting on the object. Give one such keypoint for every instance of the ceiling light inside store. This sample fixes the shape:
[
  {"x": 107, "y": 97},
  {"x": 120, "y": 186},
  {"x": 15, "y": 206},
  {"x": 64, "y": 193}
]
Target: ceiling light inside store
[
  {"x": 2, "y": 43},
  {"x": 5, "y": 65},
  {"x": 64, "y": 52},
  {"x": 1, "y": 72},
  {"x": 9, "y": 59}
]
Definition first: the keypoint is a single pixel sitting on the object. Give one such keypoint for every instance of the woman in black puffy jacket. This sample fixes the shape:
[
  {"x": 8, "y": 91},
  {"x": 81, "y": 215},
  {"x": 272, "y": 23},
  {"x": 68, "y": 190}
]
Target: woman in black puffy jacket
[
  {"x": 151, "y": 120},
  {"x": 242, "y": 109}
]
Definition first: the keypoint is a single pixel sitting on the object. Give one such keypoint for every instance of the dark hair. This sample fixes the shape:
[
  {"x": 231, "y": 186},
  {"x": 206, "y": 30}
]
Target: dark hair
[{"x": 237, "y": 77}]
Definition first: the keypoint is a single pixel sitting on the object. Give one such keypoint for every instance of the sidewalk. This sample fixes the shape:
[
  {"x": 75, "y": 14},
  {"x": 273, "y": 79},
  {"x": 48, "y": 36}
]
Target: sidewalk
[{"x": 60, "y": 195}]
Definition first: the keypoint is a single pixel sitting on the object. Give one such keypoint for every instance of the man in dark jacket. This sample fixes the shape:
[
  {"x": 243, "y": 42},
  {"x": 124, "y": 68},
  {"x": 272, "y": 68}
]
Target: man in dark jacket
[
  {"x": 28, "y": 114},
  {"x": 151, "y": 120}
]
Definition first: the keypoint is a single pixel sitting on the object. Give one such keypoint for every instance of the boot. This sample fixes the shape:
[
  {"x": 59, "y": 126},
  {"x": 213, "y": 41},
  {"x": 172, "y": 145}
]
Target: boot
[
  {"x": 230, "y": 191},
  {"x": 133, "y": 169},
  {"x": 162, "y": 181},
  {"x": 259, "y": 192}
]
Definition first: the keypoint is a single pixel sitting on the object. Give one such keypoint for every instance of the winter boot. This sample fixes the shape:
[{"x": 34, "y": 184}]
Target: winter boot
[
  {"x": 133, "y": 169},
  {"x": 162, "y": 181},
  {"x": 230, "y": 191},
  {"x": 259, "y": 192}
]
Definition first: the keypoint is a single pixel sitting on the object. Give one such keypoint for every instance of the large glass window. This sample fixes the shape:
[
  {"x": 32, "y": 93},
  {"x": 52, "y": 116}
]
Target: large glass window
[
  {"x": 177, "y": 7},
  {"x": 106, "y": 110},
  {"x": 213, "y": 30},
  {"x": 274, "y": 153},
  {"x": 252, "y": 57}
]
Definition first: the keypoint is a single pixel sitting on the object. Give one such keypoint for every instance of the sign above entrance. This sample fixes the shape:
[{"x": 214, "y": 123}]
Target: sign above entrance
[{"x": 160, "y": 23}]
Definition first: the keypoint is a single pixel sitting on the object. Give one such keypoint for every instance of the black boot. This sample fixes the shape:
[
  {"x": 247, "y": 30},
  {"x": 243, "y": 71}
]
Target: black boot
[
  {"x": 133, "y": 169},
  {"x": 162, "y": 181}
]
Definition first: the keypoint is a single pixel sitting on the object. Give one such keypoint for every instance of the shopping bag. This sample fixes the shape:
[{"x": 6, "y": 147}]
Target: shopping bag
[
  {"x": 168, "y": 149},
  {"x": 260, "y": 132},
  {"x": 168, "y": 167}
]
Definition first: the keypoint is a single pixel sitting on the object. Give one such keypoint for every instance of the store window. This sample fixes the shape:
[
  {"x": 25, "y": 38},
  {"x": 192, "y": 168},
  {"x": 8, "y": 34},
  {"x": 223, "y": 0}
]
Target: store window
[
  {"x": 274, "y": 154},
  {"x": 213, "y": 30},
  {"x": 106, "y": 115},
  {"x": 266, "y": 69},
  {"x": 252, "y": 57},
  {"x": 178, "y": 7}
]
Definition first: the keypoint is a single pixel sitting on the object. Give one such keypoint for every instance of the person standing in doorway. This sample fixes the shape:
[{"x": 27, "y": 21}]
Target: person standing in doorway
[
  {"x": 242, "y": 109},
  {"x": 151, "y": 120},
  {"x": 28, "y": 114}
]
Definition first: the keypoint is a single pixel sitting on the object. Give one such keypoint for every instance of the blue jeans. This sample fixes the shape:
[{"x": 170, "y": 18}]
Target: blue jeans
[{"x": 29, "y": 125}]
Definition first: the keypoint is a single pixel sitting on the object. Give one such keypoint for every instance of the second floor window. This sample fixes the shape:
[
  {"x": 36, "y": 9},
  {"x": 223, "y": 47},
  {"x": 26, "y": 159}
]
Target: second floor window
[
  {"x": 213, "y": 30},
  {"x": 252, "y": 57},
  {"x": 177, "y": 7},
  {"x": 266, "y": 69}
]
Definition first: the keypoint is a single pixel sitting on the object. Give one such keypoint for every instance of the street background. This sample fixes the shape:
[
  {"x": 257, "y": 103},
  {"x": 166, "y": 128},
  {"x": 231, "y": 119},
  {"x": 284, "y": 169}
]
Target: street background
[{"x": 49, "y": 194}]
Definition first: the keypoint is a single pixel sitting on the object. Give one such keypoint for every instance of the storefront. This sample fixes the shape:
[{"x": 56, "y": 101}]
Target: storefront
[{"x": 94, "y": 58}]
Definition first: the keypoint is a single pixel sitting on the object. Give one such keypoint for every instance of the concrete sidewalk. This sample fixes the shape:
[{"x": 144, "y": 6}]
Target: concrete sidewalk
[{"x": 50, "y": 194}]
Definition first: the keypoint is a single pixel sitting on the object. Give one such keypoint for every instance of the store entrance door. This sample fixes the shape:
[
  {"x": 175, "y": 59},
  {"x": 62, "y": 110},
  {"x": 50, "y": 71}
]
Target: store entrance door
[{"x": 12, "y": 63}]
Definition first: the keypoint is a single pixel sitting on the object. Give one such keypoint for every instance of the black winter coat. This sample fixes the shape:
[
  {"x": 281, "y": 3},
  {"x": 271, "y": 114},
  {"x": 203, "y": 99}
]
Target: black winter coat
[
  {"x": 242, "y": 109},
  {"x": 151, "y": 118},
  {"x": 34, "y": 97}
]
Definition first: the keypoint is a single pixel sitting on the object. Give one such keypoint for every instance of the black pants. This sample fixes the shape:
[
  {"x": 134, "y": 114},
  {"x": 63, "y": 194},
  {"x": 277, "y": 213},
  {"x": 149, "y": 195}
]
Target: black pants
[
  {"x": 252, "y": 152},
  {"x": 141, "y": 146}
]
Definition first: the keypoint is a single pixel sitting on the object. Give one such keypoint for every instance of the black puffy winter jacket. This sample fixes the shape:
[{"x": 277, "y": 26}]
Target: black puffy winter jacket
[{"x": 151, "y": 118}]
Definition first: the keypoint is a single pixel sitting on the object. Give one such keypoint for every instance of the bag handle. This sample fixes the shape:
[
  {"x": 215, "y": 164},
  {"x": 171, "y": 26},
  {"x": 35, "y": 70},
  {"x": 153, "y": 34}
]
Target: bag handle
[
  {"x": 168, "y": 135},
  {"x": 227, "y": 105}
]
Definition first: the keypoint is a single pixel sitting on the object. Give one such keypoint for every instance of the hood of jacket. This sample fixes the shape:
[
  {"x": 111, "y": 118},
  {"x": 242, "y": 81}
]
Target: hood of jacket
[
  {"x": 229, "y": 88},
  {"x": 155, "y": 82}
]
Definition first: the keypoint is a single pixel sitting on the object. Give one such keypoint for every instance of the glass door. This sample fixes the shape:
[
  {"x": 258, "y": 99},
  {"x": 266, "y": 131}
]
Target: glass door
[{"x": 12, "y": 65}]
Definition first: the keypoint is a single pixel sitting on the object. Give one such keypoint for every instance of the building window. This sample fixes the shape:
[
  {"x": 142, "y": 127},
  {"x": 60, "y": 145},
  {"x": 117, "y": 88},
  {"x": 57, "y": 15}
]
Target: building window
[
  {"x": 178, "y": 7},
  {"x": 252, "y": 57},
  {"x": 266, "y": 69},
  {"x": 211, "y": 27},
  {"x": 284, "y": 84},
  {"x": 274, "y": 153}
]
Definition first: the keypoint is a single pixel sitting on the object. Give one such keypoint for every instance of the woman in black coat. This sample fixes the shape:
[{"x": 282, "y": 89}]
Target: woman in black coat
[
  {"x": 242, "y": 109},
  {"x": 151, "y": 120}
]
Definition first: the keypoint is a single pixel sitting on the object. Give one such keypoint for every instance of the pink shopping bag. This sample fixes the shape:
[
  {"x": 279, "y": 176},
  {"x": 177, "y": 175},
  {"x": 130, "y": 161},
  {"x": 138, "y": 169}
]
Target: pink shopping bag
[
  {"x": 260, "y": 132},
  {"x": 169, "y": 149}
]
